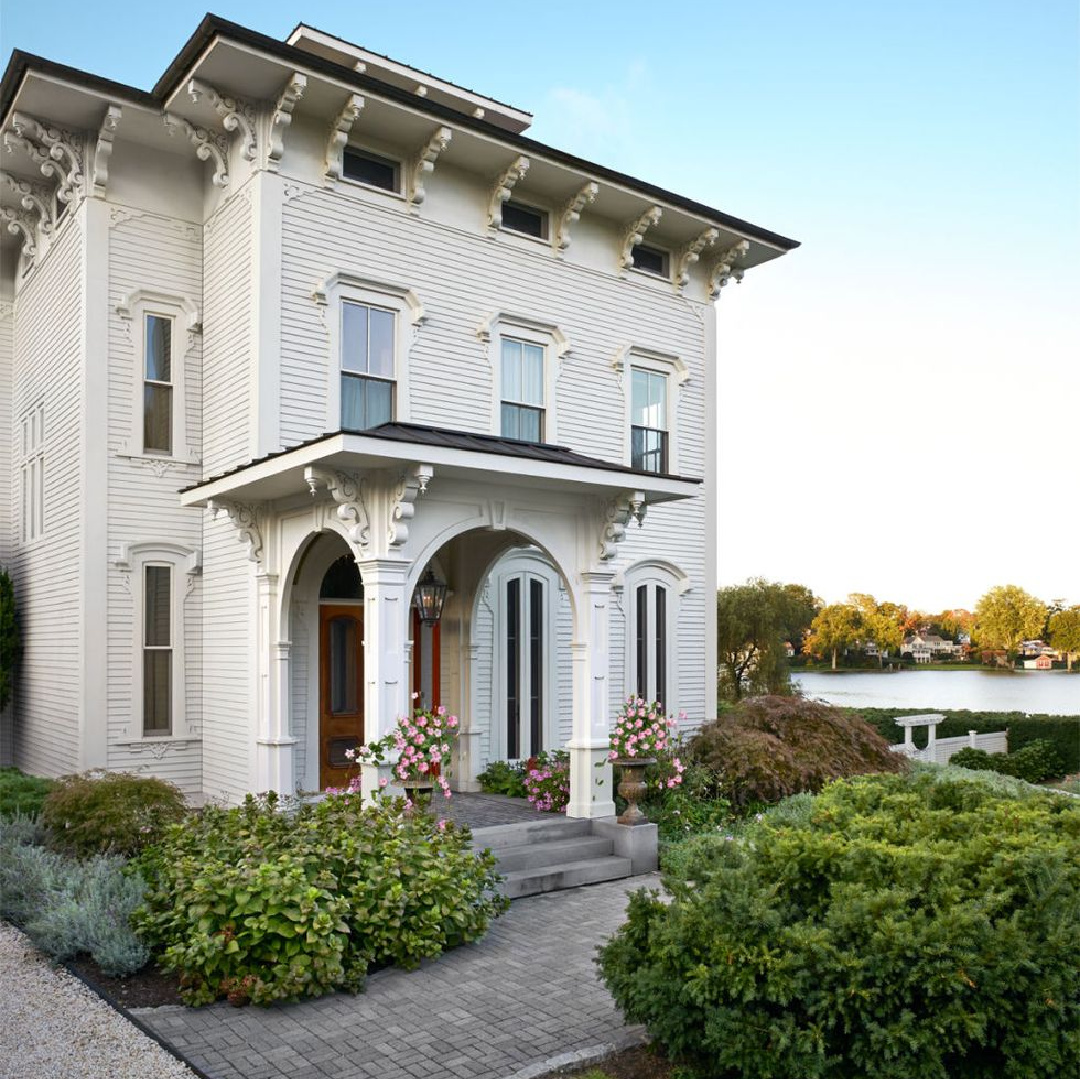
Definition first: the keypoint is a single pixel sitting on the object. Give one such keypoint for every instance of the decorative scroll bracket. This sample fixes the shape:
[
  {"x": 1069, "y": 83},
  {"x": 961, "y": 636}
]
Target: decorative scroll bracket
[
  {"x": 339, "y": 136},
  {"x": 347, "y": 491},
  {"x": 62, "y": 150},
  {"x": 691, "y": 254},
  {"x": 635, "y": 233},
  {"x": 724, "y": 269},
  {"x": 504, "y": 186},
  {"x": 425, "y": 163},
  {"x": 245, "y": 519},
  {"x": 413, "y": 484},
  {"x": 616, "y": 516},
  {"x": 32, "y": 197},
  {"x": 208, "y": 146},
  {"x": 281, "y": 118},
  {"x": 572, "y": 214},
  {"x": 236, "y": 115},
  {"x": 103, "y": 150},
  {"x": 16, "y": 222}
]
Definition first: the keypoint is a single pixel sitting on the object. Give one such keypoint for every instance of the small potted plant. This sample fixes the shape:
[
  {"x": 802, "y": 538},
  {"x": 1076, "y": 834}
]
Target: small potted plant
[{"x": 641, "y": 735}]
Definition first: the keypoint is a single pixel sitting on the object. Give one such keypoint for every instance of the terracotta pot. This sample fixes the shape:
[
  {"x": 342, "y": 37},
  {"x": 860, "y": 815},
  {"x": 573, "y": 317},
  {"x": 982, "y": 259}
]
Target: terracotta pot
[{"x": 632, "y": 787}]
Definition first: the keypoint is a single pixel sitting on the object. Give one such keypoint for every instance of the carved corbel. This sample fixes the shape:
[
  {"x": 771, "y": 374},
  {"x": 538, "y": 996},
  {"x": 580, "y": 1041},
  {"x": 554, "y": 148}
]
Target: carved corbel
[
  {"x": 413, "y": 484},
  {"x": 281, "y": 118},
  {"x": 15, "y": 222},
  {"x": 724, "y": 269},
  {"x": 346, "y": 490},
  {"x": 691, "y": 254},
  {"x": 63, "y": 152},
  {"x": 245, "y": 519},
  {"x": 339, "y": 136},
  {"x": 504, "y": 186},
  {"x": 33, "y": 198},
  {"x": 572, "y": 214},
  {"x": 103, "y": 149},
  {"x": 236, "y": 115},
  {"x": 635, "y": 233},
  {"x": 208, "y": 146},
  {"x": 425, "y": 163},
  {"x": 616, "y": 516}
]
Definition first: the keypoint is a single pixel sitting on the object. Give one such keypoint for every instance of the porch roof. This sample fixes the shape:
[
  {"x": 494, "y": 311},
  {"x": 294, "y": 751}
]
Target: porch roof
[{"x": 461, "y": 454}]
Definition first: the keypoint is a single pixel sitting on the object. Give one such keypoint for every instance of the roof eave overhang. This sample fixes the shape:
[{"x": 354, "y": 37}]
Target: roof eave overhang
[{"x": 282, "y": 475}]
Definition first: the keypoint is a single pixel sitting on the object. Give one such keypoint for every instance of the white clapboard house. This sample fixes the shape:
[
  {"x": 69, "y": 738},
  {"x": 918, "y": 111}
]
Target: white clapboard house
[{"x": 303, "y": 337}]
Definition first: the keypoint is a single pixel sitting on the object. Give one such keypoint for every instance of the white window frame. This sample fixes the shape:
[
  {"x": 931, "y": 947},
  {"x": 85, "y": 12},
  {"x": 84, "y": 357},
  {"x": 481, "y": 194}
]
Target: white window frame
[
  {"x": 678, "y": 374},
  {"x": 186, "y": 565},
  {"x": 651, "y": 573},
  {"x": 186, "y": 326},
  {"x": 556, "y": 346},
  {"x": 409, "y": 316},
  {"x": 32, "y": 473}
]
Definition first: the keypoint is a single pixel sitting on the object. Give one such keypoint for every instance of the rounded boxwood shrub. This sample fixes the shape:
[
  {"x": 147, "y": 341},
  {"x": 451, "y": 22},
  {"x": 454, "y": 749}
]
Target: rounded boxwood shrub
[
  {"x": 1037, "y": 761},
  {"x": 110, "y": 813},
  {"x": 908, "y": 926},
  {"x": 257, "y": 904},
  {"x": 767, "y": 748}
]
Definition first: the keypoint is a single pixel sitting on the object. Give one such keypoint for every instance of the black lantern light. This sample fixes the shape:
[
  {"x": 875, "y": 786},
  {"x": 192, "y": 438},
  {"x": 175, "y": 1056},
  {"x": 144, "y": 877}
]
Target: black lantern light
[{"x": 429, "y": 597}]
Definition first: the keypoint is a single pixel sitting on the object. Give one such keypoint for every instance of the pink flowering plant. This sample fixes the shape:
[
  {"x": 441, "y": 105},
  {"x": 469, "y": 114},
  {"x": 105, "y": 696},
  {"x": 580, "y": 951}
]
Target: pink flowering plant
[
  {"x": 643, "y": 732},
  {"x": 547, "y": 782}
]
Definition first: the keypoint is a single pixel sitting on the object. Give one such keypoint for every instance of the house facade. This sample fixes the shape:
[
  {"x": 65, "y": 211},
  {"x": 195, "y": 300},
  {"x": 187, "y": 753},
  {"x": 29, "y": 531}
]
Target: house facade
[{"x": 299, "y": 331}]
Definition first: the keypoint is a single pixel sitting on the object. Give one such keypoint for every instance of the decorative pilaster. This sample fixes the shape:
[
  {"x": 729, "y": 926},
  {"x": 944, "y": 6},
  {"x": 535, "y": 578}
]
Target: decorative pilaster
[
  {"x": 281, "y": 118},
  {"x": 691, "y": 254},
  {"x": 339, "y": 136},
  {"x": 635, "y": 233},
  {"x": 208, "y": 146},
  {"x": 425, "y": 163},
  {"x": 724, "y": 269},
  {"x": 110, "y": 123},
  {"x": 572, "y": 214},
  {"x": 504, "y": 187},
  {"x": 245, "y": 519},
  {"x": 236, "y": 115},
  {"x": 347, "y": 491}
]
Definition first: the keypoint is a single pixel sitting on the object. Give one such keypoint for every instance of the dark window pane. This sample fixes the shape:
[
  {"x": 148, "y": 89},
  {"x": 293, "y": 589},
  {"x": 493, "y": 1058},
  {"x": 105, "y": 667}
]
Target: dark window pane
[
  {"x": 513, "y": 668},
  {"x": 343, "y": 665},
  {"x": 523, "y": 219},
  {"x": 650, "y": 260},
  {"x": 365, "y": 402},
  {"x": 661, "y": 644},
  {"x": 536, "y": 665},
  {"x": 159, "y": 348},
  {"x": 157, "y": 625},
  {"x": 371, "y": 169},
  {"x": 157, "y": 417},
  {"x": 642, "y": 640},
  {"x": 648, "y": 449},
  {"x": 342, "y": 580},
  {"x": 157, "y": 691}
]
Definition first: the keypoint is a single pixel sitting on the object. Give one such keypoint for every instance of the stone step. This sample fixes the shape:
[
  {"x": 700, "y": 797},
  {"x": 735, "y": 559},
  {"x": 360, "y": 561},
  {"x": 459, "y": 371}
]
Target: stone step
[
  {"x": 552, "y": 878},
  {"x": 553, "y": 852},
  {"x": 544, "y": 829}
]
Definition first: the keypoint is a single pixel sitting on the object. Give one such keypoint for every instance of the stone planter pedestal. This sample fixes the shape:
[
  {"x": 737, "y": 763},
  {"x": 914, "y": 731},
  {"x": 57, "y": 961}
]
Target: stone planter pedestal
[{"x": 632, "y": 787}]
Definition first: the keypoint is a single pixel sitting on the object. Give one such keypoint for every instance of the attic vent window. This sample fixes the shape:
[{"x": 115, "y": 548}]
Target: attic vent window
[
  {"x": 524, "y": 219},
  {"x": 650, "y": 260},
  {"x": 371, "y": 169}
]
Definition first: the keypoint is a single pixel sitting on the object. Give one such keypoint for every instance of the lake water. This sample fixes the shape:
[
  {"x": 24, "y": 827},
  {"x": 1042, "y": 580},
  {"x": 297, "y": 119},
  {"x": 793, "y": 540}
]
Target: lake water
[{"x": 1053, "y": 692}]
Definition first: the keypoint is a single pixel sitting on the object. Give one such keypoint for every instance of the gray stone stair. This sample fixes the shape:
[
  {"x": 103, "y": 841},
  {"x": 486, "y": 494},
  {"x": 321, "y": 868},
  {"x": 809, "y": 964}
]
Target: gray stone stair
[{"x": 549, "y": 854}]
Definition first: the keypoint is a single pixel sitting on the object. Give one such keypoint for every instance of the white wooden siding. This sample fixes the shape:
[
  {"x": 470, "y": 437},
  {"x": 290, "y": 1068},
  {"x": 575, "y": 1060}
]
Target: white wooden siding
[{"x": 7, "y": 502}]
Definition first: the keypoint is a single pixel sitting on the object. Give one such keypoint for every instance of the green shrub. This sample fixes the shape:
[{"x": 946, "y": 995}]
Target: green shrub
[
  {"x": 911, "y": 926},
  {"x": 769, "y": 747},
  {"x": 256, "y": 904},
  {"x": 21, "y": 793},
  {"x": 1035, "y": 762},
  {"x": 115, "y": 813},
  {"x": 501, "y": 777},
  {"x": 695, "y": 805}
]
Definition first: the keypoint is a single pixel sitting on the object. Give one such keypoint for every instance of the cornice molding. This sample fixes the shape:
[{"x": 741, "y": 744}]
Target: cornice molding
[
  {"x": 236, "y": 115},
  {"x": 347, "y": 491},
  {"x": 339, "y": 136},
  {"x": 424, "y": 164},
  {"x": 281, "y": 119},
  {"x": 110, "y": 123},
  {"x": 62, "y": 151},
  {"x": 245, "y": 519},
  {"x": 209, "y": 146},
  {"x": 724, "y": 268},
  {"x": 635, "y": 233},
  {"x": 502, "y": 190},
  {"x": 572, "y": 214},
  {"x": 691, "y": 254},
  {"x": 402, "y": 509}
]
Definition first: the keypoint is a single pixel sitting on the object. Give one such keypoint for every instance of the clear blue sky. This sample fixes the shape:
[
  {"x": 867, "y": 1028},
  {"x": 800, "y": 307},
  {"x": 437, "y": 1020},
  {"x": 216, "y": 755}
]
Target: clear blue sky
[{"x": 900, "y": 398}]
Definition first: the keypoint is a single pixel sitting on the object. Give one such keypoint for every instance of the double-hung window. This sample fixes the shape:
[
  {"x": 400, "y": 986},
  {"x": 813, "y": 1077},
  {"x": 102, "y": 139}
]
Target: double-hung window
[
  {"x": 157, "y": 652},
  {"x": 33, "y": 473},
  {"x": 648, "y": 420},
  {"x": 522, "y": 390},
  {"x": 157, "y": 384},
  {"x": 367, "y": 366},
  {"x": 651, "y": 642}
]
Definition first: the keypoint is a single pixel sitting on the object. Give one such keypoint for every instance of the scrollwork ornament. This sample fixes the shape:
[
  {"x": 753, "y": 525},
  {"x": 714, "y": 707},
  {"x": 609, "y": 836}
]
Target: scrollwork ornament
[
  {"x": 347, "y": 491},
  {"x": 725, "y": 270},
  {"x": 413, "y": 484},
  {"x": 572, "y": 214},
  {"x": 504, "y": 187},
  {"x": 692, "y": 254},
  {"x": 236, "y": 115},
  {"x": 16, "y": 222},
  {"x": 425, "y": 163},
  {"x": 208, "y": 146},
  {"x": 63, "y": 152},
  {"x": 245, "y": 519},
  {"x": 635, "y": 233},
  {"x": 32, "y": 197},
  {"x": 339, "y": 136},
  {"x": 281, "y": 119}
]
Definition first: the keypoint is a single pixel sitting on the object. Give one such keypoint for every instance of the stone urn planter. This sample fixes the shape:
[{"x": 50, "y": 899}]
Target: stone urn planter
[
  {"x": 632, "y": 787},
  {"x": 418, "y": 791}
]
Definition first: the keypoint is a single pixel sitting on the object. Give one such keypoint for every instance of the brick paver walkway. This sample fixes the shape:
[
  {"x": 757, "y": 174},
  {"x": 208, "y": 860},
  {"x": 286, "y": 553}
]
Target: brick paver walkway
[
  {"x": 502, "y": 1007},
  {"x": 485, "y": 810}
]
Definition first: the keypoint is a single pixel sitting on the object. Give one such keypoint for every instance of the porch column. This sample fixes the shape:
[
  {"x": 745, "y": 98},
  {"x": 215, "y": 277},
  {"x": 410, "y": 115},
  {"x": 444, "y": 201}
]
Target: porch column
[
  {"x": 386, "y": 647},
  {"x": 274, "y": 744},
  {"x": 591, "y": 791}
]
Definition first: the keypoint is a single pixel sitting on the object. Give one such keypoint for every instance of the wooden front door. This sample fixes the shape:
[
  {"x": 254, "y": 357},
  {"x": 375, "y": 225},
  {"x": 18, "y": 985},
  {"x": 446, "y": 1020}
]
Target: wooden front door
[{"x": 341, "y": 690}]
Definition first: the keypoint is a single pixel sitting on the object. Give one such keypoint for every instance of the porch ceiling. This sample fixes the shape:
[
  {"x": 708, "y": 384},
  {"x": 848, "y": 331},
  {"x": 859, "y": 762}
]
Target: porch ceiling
[{"x": 455, "y": 454}]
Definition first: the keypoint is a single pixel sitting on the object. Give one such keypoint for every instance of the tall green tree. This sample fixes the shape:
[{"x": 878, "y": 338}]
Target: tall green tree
[
  {"x": 10, "y": 639},
  {"x": 753, "y": 621},
  {"x": 1007, "y": 615},
  {"x": 1065, "y": 633},
  {"x": 834, "y": 628},
  {"x": 882, "y": 623}
]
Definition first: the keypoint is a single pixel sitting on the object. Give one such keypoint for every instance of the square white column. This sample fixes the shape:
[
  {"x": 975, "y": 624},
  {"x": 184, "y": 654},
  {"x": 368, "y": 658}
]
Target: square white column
[{"x": 274, "y": 744}]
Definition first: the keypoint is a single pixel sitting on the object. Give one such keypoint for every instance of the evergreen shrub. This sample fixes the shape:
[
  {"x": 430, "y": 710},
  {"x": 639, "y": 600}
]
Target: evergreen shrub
[
  {"x": 501, "y": 777},
  {"x": 908, "y": 926},
  {"x": 21, "y": 793},
  {"x": 1035, "y": 762}
]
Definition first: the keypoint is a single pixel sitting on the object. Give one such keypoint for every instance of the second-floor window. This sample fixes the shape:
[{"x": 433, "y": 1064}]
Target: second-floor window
[
  {"x": 522, "y": 390},
  {"x": 33, "y": 473},
  {"x": 367, "y": 366},
  {"x": 157, "y": 385},
  {"x": 372, "y": 169},
  {"x": 648, "y": 420}
]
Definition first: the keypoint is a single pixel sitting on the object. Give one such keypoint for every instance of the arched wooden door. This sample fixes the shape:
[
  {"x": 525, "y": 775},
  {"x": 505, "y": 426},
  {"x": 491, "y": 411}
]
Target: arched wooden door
[{"x": 341, "y": 689}]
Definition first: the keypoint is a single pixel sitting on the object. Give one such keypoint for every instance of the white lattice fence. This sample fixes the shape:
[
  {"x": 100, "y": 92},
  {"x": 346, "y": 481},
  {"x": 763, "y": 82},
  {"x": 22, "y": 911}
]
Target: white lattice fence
[{"x": 941, "y": 750}]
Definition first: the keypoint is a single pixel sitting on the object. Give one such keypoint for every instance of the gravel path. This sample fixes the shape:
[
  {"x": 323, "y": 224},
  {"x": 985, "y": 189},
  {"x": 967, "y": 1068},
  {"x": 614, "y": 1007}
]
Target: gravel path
[{"x": 53, "y": 1027}]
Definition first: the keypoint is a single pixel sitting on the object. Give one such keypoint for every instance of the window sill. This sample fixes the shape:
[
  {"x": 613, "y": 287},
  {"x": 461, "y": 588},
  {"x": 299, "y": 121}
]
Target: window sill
[
  {"x": 514, "y": 236},
  {"x": 361, "y": 186},
  {"x": 158, "y": 740},
  {"x": 648, "y": 275},
  {"x": 162, "y": 460}
]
